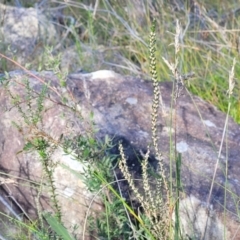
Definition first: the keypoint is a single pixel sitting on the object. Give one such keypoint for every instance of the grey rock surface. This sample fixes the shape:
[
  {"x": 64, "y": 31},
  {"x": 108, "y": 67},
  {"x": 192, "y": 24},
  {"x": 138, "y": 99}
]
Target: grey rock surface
[
  {"x": 23, "y": 173},
  {"x": 23, "y": 34},
  {"x": 122, "y": 107}
]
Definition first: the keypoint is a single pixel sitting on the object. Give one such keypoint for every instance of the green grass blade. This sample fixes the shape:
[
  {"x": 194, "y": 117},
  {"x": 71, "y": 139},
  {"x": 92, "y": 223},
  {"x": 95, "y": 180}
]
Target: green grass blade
[{"x": 58, "y": 227}]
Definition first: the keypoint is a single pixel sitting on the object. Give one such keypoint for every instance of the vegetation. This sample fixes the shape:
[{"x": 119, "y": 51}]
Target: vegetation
[
  {"x": 114, "y": 35},
  {"x": 202, "y": 46}
]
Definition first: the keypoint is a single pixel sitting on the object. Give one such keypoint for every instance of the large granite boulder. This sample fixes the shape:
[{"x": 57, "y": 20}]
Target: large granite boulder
[
  {"x": 121, "y": 106},
  {"x": 23, "y": 34},
  {"x": 23, "y": 178}
]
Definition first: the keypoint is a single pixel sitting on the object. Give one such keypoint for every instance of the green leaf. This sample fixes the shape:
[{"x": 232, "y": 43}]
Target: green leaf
[
  {"x": 91, "y": 115},
  {"x": 28, "y": 146},
  {"x": 58, "y": 227}
]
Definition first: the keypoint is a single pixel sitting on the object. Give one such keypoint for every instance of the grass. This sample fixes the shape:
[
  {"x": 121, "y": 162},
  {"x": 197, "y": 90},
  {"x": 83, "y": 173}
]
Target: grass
[
  {"x": 110, "y": 26},
  {"x": 107, "y": 26},
  {"x": 106, "y": 35}
]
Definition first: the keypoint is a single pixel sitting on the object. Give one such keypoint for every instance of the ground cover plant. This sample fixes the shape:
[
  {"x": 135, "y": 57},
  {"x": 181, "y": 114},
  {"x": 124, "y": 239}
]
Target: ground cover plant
[{"x": 212, "y": 58}]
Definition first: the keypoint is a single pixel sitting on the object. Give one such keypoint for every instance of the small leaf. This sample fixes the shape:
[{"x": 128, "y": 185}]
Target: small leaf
[
  {"x": 28, "y": 146},
  {"x": 91, "y": 115},
  {"x": 58, "y": 227}
]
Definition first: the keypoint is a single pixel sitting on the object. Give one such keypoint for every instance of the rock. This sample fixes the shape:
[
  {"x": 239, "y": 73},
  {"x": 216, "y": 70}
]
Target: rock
[
  {"x": 26, "y": 169},
  {"x": 122, "y": 106},
  {"x": 198, "y": 222},
  {"x": 23, "y": 33}
]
